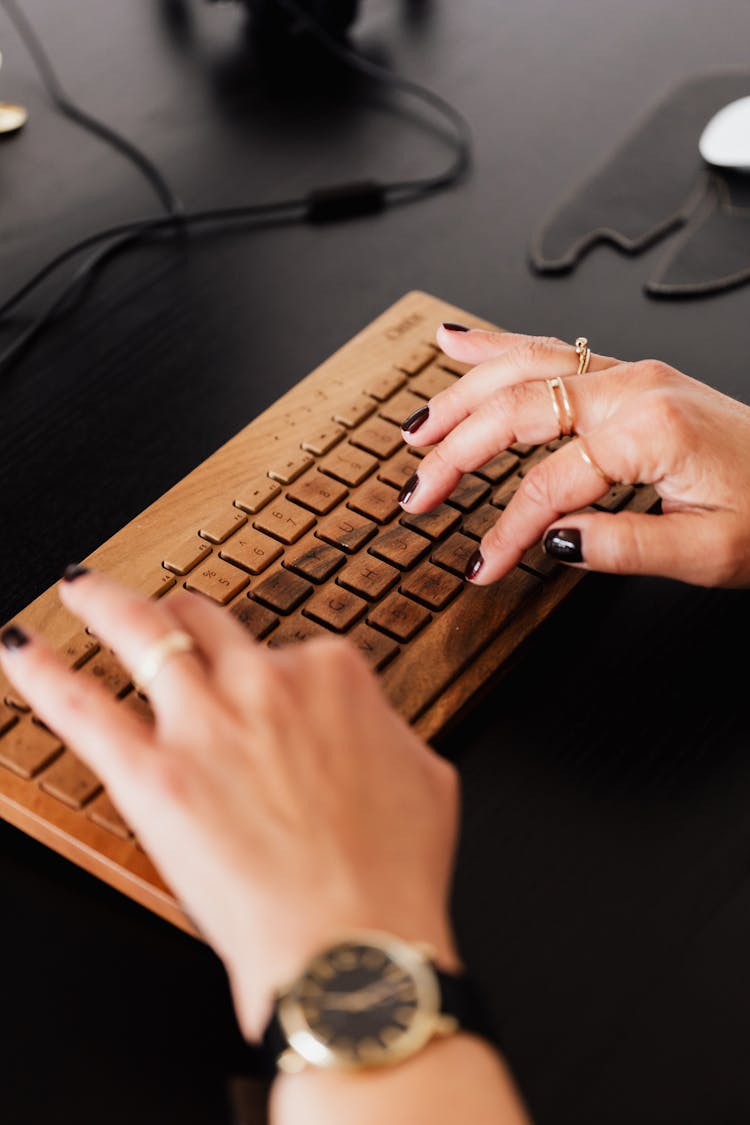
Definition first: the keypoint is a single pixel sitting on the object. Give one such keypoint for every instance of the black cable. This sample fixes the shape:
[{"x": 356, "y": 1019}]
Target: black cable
[
  {"x": 370, "y": 69},
  {"x": 67, "y": 106},
  {"x": 323, "y": 205}
]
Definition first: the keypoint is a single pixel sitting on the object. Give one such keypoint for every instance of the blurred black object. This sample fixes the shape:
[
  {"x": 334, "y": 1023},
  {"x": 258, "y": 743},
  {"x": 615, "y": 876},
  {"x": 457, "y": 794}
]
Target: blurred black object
[{"x": 274, "y": 19}]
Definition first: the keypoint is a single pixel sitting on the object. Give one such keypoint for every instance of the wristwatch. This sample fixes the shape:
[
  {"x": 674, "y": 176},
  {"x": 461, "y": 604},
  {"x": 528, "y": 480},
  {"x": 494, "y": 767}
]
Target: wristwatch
[{"x": 369, "y": 999}]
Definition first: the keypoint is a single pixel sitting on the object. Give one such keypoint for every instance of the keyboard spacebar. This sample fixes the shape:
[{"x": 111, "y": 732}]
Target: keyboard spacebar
[{"x": 433, "y": 660}]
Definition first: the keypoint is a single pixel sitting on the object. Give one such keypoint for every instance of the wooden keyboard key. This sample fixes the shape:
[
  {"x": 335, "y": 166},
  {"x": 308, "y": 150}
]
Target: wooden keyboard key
[
  {"x": 399, "y": 469},
  {"x": 293, "y": 467},
  {"x": 223, "y": 524},
  {"x": 378, "y": 437},
  {"x": 431, "y": 381},
  {"x": 499, "y": 467},
  {"x": 154, "y": 583},
  {"x": 398, "y": 408},
  {"x": 455, "y": 553},
  {"x": 139, "y": 706},
  {"x": 459, "y": 635},
  {"x": 282, "y": 591},
  {"x": 349, "y": 465},
  {"x": 295, "y": 631},
  {"x": 377, "y": 501},
  {"x": 431, "y": 585},
  {"x": 368, "y": 576},
  {"x": 479, "y": 522},
  {"x": 469, "y": 491},
  {"x": 347, "y": 531},
  {"x": 319, "y": 493},
  {"x": 78, "y": 648},
  {"x": 8, "y": 717},
  {"x": 316, "y": 563},
  {"x": 186, "y": 555},
  {"x": 257, "y": 494},
  {"x": 617, "y": 497},
  {"x": 336, "y": 608},
  {"x": 14, "y": 699},
  {"x": 522, "y": 448},
  {"x": 433, "y": 524},
  {"x": 415, "y": 360},
  {"x": 217, "y": 580},
  {"x": 355, "y": 411},
  {"x": 104, "y": 813},
  {"x": 378, "y": 649},
  {"x": 324, "y": 440},
  {"x": 399, "y": 617},
  {"x": 254, "y": 617},
  {"x": 107, "y": 670},
  {"x": 251, "y": 550},
  {"x": 503, "y": 495},
  {"x": 284, "y": 521},
  {"x": 383, "y": 386},
  {"x": 537, "y": 559},
  {"x": 400, "y": 546},
  {"x": 27, "y": 748},
  {"x": 453, "y": 365},
  {"x": 70, "y": 781}
]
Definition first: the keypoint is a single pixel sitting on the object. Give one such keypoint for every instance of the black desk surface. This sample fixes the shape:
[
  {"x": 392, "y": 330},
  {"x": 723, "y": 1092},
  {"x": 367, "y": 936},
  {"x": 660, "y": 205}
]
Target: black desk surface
[{"x": 603, "y": 888}]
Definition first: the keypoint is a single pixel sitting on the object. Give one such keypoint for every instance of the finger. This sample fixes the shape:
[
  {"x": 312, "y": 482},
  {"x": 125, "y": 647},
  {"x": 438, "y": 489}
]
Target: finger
[
  {"x": 130, "y": 624},
  {"x": 637, "y": 543},
  {"x": 234, "y": 658},
  {"x": 566, "y": 481},
  {"x": 476, "y": 345},
  {"x": 528, "y": 358},
  {"x": 110, "y": 738},
  {"x": 521, "y": 412}
]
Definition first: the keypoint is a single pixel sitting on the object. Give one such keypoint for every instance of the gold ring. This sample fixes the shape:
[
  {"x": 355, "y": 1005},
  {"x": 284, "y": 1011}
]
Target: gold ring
[
  {"x": 565, "y": 420},
  {"x": 583, "y": 351},
  {"x": 154, "y": 658},
  {"x": 586, "y": 455}
]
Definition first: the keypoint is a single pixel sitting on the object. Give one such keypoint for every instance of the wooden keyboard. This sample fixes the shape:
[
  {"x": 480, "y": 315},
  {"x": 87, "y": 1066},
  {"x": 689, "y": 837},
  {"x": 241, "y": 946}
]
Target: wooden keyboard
[{"x": 294, "y": 526}]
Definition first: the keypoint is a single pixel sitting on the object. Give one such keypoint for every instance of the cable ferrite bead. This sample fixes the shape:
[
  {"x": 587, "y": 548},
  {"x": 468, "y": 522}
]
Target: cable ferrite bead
[{"x": 345, "y": 201}]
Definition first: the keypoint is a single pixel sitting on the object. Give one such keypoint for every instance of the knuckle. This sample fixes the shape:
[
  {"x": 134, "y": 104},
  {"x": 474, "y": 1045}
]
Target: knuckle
[
  {"x": 656, "y": 371},
  {"x": 534, "y": 350},
  {"x": 670, "y": 414},
  {"x": 170, "y": 775},
  {"x": 625, "y": 549},
  {"x": 534, "y": 487}
]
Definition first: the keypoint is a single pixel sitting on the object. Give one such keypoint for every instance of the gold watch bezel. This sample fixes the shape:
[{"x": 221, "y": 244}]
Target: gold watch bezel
[{"x": 305, "y": 1048}]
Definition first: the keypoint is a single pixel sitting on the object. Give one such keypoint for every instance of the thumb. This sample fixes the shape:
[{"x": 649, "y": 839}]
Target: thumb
[{"x": 685, "y": 545}]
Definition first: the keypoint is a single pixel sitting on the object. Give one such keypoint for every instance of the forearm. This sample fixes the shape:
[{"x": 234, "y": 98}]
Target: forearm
[{"x": 450, "y": 1082}]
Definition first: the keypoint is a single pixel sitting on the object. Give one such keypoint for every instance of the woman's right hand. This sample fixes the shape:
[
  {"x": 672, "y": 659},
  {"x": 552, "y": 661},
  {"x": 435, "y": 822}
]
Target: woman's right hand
[{"x": 642, "y": 423}]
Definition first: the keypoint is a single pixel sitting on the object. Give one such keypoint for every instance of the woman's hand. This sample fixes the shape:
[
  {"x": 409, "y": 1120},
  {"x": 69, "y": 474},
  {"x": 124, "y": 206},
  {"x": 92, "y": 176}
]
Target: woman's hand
[
  {"x": 641, "y": 423},
  {"x": 277, "y": 792}
]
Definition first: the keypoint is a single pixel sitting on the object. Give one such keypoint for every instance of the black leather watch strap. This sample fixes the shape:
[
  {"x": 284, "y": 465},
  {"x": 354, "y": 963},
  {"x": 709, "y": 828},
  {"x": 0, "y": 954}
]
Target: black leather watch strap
[{"x": 458, "y": 998}]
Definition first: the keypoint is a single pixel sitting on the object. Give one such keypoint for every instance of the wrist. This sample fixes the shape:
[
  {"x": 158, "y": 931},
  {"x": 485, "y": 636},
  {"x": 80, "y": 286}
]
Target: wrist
[{"x": 254, "y": 985}]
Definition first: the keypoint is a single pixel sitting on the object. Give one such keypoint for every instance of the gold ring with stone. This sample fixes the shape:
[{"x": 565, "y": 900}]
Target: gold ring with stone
[
  {"x": 583, "y": 351},
  {"x": 156, "y": 656}
]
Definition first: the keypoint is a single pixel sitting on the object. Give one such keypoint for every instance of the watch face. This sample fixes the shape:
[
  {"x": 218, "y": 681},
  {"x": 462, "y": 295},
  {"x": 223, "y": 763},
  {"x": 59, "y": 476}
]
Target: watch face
[{"x": 360, "y": 1003}]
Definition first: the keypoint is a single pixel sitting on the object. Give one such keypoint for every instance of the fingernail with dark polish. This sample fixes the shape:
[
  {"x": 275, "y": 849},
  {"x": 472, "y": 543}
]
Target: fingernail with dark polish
[
  {"x": 474, "y": 565},
  {"x": 564, "y": 543},
  {"x": 409, "y": 489},
  {"x": 73, "y": 571},
  {"x": 13, "y": 637},
  {"x": 454, "y": 327},
  {"x": 415, "y": 420}
]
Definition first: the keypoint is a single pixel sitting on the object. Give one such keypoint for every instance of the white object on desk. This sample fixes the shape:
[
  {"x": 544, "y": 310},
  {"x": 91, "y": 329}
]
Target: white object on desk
[{"x": 725, "y": 141}]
